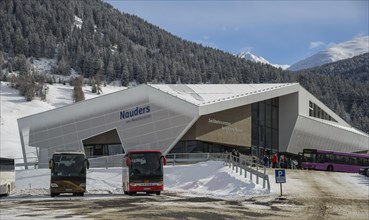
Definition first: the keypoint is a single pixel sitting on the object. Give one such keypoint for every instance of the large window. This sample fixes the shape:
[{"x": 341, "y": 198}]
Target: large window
[
  {"x": 205, "y": 147},
  {"x": 98, "y": 150},
  {"x": 265, "y": 133},
  {"x": 316, "y": 112}
]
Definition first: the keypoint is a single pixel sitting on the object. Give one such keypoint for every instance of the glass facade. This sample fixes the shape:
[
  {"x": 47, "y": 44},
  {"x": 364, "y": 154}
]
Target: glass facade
[
  {"x": 264, "y": 128},
  {"x": 206, "y": 147},
  {"x": 98, "y": 150},
  {"x": 316, "y": 112}
]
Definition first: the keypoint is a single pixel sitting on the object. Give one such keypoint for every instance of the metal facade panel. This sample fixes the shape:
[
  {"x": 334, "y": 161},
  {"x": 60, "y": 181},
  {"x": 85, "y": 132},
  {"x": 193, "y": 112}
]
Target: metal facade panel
[
  {"x": 310, "y": 133},
  {"x": 143, "y": 120},
  {"x": 288, "y": 113}
]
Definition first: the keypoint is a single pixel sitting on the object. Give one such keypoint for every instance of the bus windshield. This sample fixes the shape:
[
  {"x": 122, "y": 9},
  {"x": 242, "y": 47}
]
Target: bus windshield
[
  {"x": 146, "y": 164},
  {"x": 69, "y": 165},
  {"x": 309, "y": 155},
  {"x": 7, "y": 176},
  {"x": 6, "y": 164}
]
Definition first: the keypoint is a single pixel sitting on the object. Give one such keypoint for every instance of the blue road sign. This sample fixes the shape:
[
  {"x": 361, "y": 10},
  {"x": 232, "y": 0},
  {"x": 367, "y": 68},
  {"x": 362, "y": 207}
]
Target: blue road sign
[{"x": 280, "y": 176}]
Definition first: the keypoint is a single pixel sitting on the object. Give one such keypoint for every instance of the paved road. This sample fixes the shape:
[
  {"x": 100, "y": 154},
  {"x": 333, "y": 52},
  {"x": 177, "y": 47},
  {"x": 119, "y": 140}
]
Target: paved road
[{"x": 166, "y": 206}]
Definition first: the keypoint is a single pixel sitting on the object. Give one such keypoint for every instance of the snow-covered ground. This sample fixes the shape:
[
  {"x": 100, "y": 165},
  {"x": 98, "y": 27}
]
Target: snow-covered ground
[{"x": 211, "y": 179}]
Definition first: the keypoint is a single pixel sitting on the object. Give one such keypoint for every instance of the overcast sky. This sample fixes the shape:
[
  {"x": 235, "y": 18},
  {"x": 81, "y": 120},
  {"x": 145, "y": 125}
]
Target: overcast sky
[{"x": 283, "y": 32}]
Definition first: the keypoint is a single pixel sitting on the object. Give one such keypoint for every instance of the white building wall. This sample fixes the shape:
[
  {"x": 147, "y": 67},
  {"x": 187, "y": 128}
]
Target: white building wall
[
  {"x": 288, "y": 113},
  {"x": 315, "y": 134},
  {"x": 64, "y": 129}
]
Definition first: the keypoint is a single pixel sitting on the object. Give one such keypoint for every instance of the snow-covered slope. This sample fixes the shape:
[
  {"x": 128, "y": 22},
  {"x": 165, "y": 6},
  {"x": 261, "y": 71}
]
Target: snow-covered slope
[
  {"x": 345, "y": 50},
  {"x": 14, "y": 106},
  {"x": 258, "y": 59},
  {"x": 249, "y": 56}
]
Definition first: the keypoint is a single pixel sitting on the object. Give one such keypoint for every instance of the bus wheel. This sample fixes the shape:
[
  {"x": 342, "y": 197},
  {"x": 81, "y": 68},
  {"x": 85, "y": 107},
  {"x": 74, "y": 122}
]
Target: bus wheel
[
  {"x": 125, "y": 192},
  {"x": 330, "y": 168},
  {"x": 81, "y": 194},
  {"x": 8, "y": 191},
  {"x": 52, "y": 194},
  {"x": 158, "y": 193}
]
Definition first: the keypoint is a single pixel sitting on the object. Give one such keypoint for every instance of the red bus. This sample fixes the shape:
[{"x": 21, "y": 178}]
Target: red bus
[
  {"x": 333, "y": 161},
  {"x": 143, "y": 172}
]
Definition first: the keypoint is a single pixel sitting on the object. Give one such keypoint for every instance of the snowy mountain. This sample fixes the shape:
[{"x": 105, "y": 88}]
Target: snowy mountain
[
  {"x": 345, "y": 50},
  {"x": 258, "y": 59}
]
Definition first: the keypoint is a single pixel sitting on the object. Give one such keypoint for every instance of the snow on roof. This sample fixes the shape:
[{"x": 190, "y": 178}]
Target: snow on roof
[{"x": 202, "y": 94}]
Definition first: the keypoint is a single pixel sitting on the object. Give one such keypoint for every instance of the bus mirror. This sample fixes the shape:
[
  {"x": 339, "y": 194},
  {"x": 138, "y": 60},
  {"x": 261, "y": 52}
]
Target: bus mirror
[
  {"x": 87, "y": 164},
  {"x": 51, "y": 164},
  {"x": 164, "y": 161},
  {"x": 128, "y": 162}
]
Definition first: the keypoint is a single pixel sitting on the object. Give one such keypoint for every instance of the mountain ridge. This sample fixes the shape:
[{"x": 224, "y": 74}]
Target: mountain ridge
[
  {"x": 343, "y": 50},
  {"x": 247, "y": 55}
]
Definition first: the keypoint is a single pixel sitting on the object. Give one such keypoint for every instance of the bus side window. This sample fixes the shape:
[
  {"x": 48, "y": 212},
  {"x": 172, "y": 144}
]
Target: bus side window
[
  {"x": 329, "y": 158},
  {"x": 320, "y": 158},
  {"x": 363, "y": 161},
  {"x": 353, "y": 161}
]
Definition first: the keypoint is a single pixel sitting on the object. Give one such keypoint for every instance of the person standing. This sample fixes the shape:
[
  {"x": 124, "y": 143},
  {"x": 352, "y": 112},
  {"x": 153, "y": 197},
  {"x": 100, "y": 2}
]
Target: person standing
[
  {"x": 274, "y": 160},
  {"x": 266, "y": 160},
  {"x": 282, "y": 161}
]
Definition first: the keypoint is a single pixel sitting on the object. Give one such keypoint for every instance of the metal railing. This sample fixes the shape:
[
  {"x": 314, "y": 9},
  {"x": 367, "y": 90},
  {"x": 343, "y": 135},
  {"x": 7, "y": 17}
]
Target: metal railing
[
  {"x": 106, "y": 161},
  {"x": 244, "y": 164},
  {"x": 248, "y": 165},
  {"x": 186, "y": 158}
]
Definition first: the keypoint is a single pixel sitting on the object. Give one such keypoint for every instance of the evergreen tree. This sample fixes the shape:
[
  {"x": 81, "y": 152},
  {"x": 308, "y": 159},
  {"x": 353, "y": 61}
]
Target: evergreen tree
[{"x": 78, "y": 94}]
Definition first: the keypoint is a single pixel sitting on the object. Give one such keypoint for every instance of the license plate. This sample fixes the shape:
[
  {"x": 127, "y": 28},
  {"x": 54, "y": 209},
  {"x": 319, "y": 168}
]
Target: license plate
[
  {"x": 147, "y": 188},
  {"x": 68, "y": 189}
]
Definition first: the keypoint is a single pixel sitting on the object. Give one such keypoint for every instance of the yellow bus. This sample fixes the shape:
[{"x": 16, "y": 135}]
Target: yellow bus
[{"x": 68, "y": 173}]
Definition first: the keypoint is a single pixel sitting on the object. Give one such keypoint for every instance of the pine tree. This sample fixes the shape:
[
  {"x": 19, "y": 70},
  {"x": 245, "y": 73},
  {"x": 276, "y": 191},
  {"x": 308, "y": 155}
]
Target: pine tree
[{"x": 78, "y": 94}]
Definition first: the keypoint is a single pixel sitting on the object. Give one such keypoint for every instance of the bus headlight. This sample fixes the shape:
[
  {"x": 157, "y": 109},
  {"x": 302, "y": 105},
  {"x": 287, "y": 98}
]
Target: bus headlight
[
  {"x": 83, "y": 185},
  {"x": 53, "y": 185},
  {"x": 132, "y": 184}
]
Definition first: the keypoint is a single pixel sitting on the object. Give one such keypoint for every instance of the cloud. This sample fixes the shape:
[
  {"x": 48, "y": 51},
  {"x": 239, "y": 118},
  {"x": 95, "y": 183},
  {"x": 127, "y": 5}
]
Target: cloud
[{"x": 316, "y": 44}]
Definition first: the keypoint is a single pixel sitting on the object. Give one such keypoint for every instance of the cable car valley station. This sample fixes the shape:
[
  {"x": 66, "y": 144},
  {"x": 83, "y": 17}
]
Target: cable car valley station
[{"x": 179, "y": 118}]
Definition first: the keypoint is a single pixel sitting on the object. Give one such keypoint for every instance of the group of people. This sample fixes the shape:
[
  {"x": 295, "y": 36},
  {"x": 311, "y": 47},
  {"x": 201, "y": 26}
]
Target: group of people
[
  {"x": 273, "y": 161},
  {"x": 279, "y": 162}
]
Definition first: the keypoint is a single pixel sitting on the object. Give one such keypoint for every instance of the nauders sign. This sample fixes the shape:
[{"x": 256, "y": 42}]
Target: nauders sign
[{"x": 134, "y": 112}]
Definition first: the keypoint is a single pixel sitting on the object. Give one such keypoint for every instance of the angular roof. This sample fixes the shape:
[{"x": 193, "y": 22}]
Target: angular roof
[{"x": 203, "y": 94}]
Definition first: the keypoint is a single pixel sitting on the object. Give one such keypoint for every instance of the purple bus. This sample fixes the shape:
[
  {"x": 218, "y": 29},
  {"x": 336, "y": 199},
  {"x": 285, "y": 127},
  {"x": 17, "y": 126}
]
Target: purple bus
[{"x": 333, "y": 161}]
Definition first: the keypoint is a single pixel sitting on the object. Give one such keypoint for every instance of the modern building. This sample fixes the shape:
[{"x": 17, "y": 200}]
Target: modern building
[{"x": 178, "y": 118}]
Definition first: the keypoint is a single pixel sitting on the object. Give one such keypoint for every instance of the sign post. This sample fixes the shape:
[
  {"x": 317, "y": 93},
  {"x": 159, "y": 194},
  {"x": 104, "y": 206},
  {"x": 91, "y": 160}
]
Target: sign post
[{"x": 280, "y": 177}]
